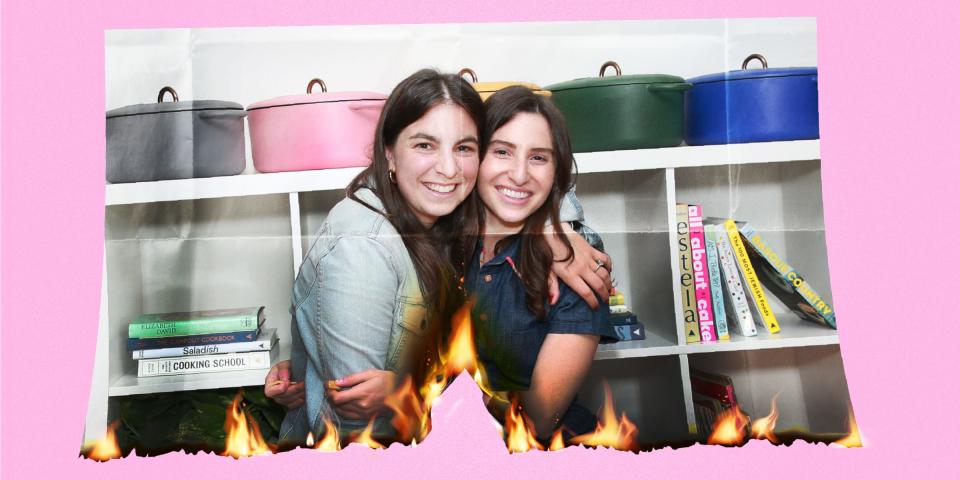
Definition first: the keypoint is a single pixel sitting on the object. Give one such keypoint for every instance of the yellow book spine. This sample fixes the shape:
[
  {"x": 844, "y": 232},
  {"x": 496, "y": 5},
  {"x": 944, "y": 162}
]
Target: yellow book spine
[{"x": 739, "y": 251}]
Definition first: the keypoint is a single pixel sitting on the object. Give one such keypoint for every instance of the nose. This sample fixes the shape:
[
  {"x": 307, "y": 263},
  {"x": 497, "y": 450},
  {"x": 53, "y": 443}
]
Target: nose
[
  {"x": 518, "y": 171},
  {"x": 447, "y": 165}
]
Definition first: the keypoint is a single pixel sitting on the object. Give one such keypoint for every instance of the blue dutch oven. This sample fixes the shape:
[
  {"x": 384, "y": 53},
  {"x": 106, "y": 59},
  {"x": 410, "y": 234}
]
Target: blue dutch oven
[{"x": 758, "y": 105}]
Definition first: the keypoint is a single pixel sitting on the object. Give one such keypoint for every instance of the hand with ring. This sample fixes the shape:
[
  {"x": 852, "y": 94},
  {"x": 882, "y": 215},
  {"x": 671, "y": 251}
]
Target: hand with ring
[{"x": 580, "y": 270}]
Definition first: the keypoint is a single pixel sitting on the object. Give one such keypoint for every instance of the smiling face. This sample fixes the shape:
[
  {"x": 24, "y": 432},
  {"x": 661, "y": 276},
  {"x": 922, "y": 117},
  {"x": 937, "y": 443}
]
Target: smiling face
[
  {"x": 435, "y": 161},
  {"x": 517, "y": 173}
]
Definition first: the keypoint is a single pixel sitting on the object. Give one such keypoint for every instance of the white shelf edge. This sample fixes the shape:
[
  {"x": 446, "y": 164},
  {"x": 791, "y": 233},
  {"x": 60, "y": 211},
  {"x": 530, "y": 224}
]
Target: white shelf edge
[
  {"x": 130, "y": 384},
  {"x": 652, "y": 346},
  {"x": 335, "y": 179},
  {"x": 233, "y": 186},
  {"x": 627, "y": 350},
  {"x": 754, "y": 343},
  {"x": 699, "y": 156}
]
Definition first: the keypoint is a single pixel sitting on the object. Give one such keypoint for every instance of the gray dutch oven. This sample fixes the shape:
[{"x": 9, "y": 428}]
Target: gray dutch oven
[{"x": 174, "y": 140}]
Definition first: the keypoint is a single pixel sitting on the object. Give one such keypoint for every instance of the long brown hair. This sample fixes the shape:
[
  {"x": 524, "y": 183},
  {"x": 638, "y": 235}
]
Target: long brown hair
[
  {"x": 439, "y": 274},
  {"x": 536, "y": 257}
]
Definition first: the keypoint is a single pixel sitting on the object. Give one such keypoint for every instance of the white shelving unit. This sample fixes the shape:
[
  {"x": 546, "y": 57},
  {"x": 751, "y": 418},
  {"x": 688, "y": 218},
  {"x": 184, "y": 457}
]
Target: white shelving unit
[
  {"x": 181, "y": 231},
  {"x": 337, "y": 179}
]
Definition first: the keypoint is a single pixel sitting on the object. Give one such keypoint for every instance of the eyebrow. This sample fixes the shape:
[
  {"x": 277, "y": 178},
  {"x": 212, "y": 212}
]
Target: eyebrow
[
  {"x": 427, "y": 136},
  {"x": 511, "y": 145}
]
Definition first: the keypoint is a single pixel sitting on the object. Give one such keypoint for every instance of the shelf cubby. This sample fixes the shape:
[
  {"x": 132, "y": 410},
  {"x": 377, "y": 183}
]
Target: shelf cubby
[
  {"x": 809, "y": 383},
  {"x": 182, "y": 256}
]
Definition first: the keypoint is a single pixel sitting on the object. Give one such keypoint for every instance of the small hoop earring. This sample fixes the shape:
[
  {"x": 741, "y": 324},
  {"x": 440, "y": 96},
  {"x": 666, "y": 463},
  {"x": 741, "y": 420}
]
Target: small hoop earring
[{"x": 392, "y": 176}]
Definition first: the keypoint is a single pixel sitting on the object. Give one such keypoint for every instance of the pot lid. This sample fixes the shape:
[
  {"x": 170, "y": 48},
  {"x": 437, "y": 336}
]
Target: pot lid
[
  {"x": 491, "y": 87},
  {"x": 744, "y": 73},
  {"x": 172, "y": 106},
  {"x": 611, "y": 80},
  {"x": 321, "y": 97}
]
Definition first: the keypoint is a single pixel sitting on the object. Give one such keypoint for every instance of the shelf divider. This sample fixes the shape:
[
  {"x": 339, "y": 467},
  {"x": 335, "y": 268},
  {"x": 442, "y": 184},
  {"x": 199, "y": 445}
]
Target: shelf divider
[
  {"x": 688, "y": 394},
  {"x": 295, "y": 233}
]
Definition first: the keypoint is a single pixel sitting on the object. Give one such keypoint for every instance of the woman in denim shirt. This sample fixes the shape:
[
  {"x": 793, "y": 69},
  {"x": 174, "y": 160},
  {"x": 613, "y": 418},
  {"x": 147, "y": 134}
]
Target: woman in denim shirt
[
  {"x": 376, "y": 280},
  {"x": 540, "y": 351}
]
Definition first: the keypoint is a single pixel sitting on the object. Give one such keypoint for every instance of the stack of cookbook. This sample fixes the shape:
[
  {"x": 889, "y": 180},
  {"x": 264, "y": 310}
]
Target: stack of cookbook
[{"x": 207, "y": 341}]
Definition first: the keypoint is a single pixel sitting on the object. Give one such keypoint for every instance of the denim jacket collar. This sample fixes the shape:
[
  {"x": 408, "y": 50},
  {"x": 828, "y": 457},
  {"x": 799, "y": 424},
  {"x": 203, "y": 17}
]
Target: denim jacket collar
[{"x": 366, "y": 195}]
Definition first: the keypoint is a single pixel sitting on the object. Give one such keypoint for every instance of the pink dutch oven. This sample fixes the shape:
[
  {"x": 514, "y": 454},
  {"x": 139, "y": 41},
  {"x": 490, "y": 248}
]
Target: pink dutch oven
[{"x": 314, "y": 131}]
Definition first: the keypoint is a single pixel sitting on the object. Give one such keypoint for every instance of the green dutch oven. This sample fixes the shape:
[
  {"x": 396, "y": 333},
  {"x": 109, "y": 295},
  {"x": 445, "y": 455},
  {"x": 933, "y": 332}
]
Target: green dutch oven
[{"x": 622, "y": 112}]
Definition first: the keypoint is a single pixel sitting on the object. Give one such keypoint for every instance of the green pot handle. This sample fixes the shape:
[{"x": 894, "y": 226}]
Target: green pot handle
[
  {"x": 669, "y": 87},
  {"x": 610, "y": 63}
]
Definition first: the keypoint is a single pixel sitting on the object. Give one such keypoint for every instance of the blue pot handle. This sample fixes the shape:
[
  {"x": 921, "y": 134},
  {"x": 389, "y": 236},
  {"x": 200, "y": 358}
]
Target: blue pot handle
[
  {"x": 669, "y": 87},
  {"x": 754, "y": 56}
]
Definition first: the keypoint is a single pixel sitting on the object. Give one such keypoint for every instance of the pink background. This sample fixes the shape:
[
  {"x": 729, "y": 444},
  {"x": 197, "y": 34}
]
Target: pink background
[{"x": 889, "y": 145}]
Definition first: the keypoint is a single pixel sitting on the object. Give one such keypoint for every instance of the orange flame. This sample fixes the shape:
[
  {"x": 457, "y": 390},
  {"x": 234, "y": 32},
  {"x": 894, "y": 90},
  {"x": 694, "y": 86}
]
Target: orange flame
[
  {"x": 105, "y": 448},
  {"x": 243, "y": 434},
  {"x": 461, "y": 354},
  {"x": 610, "y": 432},
  {"x": 407, "y": 411},
  {"x": 762, "y": 428},
  {"x": 556, "y": 443},
  {"x": 330, "y": 441},
  {"x": 411, "y": 405},
  {"x": 366, "y": 437},
  {"x": 853, "y": 440},
  {"x": 729, "y": 428},
  {"x": 521, "y": 436}
]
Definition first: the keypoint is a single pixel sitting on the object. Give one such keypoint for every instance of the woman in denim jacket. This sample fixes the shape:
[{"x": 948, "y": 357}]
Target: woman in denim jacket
[{"x": 359, "y": 302}]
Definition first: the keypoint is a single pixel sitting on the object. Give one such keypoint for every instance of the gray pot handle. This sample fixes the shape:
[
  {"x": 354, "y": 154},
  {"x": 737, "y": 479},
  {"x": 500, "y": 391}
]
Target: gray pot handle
[
  {"x": 167, "y": 89},
  {"x": 222, "y": 113}
]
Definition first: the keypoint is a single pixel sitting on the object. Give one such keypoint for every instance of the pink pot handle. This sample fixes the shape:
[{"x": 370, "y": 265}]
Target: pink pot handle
[
  {"x": 316, "y": 81},
  {"x": 366, "y": 105}
]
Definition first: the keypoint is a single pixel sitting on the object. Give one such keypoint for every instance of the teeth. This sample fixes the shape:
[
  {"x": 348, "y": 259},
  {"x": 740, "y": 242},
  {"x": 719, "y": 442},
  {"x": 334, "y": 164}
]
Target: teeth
[
  {"x": 513, "y": 193},
  {"x": 440, "y": 188}
]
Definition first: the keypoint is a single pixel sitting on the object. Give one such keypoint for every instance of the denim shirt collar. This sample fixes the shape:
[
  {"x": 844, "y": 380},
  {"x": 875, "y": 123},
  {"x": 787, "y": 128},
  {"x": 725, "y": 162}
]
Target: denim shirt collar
[{"x": 512, "y": 250}]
